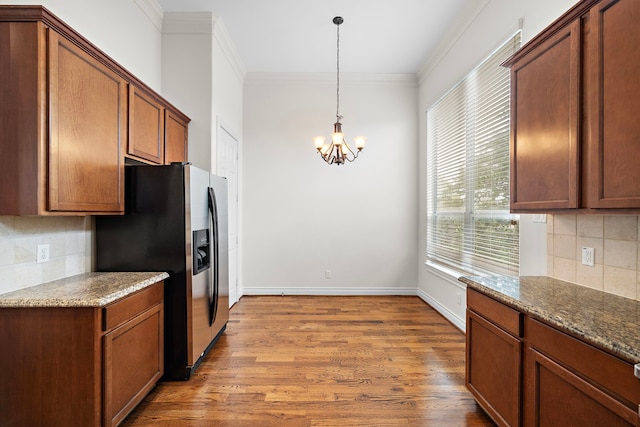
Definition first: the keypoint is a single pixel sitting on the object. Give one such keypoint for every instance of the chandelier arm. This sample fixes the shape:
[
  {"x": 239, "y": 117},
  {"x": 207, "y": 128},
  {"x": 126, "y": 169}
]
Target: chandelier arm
[{"x": 354, "y": 154}]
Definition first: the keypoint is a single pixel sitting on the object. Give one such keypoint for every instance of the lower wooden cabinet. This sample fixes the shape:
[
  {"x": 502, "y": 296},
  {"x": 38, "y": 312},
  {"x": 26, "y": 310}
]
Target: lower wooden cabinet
[
  {"x": 494, "y": 358},
  {"x": 80, "y": 366},
  {"x": 571, "y": 383},
  {"x": 523, "y": 371}
]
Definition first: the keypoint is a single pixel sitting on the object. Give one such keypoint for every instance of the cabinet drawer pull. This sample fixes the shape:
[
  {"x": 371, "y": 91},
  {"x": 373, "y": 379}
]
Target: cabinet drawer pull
[{"x": 636, "y": 370}]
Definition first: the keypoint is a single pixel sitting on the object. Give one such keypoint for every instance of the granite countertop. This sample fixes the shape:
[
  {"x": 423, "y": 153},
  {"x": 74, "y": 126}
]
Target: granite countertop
[
  {"x": 82, "y": 290},
  {"x": 608, "y": 321}
]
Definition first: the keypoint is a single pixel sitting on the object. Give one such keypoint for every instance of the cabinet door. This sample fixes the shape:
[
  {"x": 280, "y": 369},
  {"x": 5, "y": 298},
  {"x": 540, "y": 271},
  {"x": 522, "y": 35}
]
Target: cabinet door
[
  {"x": 133, "y": 363},
  {"x": 146, "y": 126},
  {"x": 614, "y": 129},
  {"x": 87, "y": 104},
  {"x": 545, "y": 99},
  {"x": 493, "y": 370},
  {"x": 558, "y": 397},
  {"x": 176, "y": 137}
]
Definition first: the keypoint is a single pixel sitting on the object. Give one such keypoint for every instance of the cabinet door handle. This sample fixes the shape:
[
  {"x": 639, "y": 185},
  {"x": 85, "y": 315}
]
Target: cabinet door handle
[{"x": 636, "y": 370}]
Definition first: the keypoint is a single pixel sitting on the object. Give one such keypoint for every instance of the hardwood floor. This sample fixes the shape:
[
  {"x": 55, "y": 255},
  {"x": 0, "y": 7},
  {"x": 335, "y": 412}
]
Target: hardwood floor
[{"x": 324, "y": 361}]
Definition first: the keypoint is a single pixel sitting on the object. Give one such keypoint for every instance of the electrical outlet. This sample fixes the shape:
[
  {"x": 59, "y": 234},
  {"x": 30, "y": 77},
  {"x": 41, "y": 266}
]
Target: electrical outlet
[
  {"x": 327, "y": 274},
  {"x": 541, "y": 218},
  {"x": 42, "y": 254},
  {"x": 588, "y": 256},
  {"x": 458, "y": 298}
]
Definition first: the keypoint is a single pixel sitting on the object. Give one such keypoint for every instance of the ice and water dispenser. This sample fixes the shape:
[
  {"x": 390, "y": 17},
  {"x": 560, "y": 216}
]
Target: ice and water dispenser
[{"x": 201, "y": 251}]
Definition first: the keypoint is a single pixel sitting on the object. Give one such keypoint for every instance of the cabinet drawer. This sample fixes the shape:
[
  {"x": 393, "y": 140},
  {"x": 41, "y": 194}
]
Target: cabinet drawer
[
  {"x": 505, "y": 317},
  {"x": 126, "y": 308},
  {"x": 595, "y": 366}
]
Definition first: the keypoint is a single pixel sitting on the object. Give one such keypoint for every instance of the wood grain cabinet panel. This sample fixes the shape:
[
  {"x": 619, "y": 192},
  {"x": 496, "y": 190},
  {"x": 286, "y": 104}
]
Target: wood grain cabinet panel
[
  {"x": 62, "y": 134},
  {"x": 63, "y": 369},
  {"x": 614, "y": 99},
  {"x": 133, "y": 363},
  {"x": 571, "y": 383},
  {"x": 176, "y": 137},
  {"x": 537, "y": 375},
  {"x": 494, "y": 358},
  {"x": 69, "y": 117},
  {"x": 88, "y": 106},
  {"x": 575, "y": 137},
  {"x": 146, "y": 126},
  {"x": 545, "y": 124}
]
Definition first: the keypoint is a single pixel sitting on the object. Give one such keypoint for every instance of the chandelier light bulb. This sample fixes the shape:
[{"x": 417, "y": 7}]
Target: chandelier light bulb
[
  {"x": 360, "y": 142},
  {"x": 319, "y": 142},
  {"x": 337, "y": 138}
]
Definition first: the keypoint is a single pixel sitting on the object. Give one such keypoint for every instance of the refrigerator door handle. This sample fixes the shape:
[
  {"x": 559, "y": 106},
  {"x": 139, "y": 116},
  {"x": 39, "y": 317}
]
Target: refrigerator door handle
[{"x": 213, "y": 212}]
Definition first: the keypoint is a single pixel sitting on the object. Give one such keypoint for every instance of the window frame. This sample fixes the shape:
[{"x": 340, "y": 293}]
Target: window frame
[{"x": 458, "y": 112}]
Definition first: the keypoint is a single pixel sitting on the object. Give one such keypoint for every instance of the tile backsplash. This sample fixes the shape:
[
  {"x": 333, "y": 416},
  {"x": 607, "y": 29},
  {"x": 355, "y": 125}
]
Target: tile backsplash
[
  {"x": 615, "y": 239},
  {"x": 69, "y": 239}
]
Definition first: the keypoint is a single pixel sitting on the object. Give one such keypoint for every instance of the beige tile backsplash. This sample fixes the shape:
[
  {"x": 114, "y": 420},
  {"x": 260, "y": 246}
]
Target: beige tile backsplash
[
  {"x": 615, "y": 239},
  {"x": 70, "y": 249}
]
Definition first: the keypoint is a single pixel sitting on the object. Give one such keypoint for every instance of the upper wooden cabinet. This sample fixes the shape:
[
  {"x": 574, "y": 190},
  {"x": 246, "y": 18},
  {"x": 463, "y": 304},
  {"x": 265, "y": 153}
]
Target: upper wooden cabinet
[
  {"x": 574, "y": 93},
  {"x": 612, "y": 98},
  {"x": 62, "y": 132},
  {"x": 158, "y": 133},
  {"x": 146, "y": 126},
  {"x": 69, "y": 115},
  {"x": 176, "y": 137}
]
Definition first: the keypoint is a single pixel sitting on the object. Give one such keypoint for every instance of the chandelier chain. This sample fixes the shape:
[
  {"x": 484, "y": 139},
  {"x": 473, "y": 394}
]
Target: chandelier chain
[{"x": 338, "y": 73}]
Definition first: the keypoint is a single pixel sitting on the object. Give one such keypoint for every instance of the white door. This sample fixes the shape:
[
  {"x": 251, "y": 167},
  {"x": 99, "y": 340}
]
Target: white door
[{"x": 227, "y": 154}]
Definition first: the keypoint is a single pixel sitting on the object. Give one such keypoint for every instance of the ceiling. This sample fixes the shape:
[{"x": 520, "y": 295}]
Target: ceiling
[{"x": 377, "y": 36}]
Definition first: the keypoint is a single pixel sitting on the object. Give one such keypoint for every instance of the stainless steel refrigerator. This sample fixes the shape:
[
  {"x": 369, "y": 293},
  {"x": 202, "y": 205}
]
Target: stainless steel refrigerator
[{"x": 176, "y": 221}]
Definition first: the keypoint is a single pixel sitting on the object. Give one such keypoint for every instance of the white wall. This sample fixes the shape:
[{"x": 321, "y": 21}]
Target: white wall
[
  {"x": 487, "y": 24},
  {"x": 302, "y": 216},
  {"x": 203, "y": 76}
]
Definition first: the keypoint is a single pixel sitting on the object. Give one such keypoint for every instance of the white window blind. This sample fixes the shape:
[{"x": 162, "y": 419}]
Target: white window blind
[{"x": 469, "y": 227}]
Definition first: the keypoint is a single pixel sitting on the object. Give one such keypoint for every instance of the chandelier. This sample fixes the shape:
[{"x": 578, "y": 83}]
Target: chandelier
[{"x": 337, "y": 150}]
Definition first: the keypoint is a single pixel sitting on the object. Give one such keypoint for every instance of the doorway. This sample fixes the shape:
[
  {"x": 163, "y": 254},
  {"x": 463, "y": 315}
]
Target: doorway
[{"x": 227, "y": 166}]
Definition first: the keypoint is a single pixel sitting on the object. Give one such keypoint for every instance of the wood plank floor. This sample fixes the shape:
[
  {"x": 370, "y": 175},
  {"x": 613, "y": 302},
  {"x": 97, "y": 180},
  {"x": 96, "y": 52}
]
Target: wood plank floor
[{"x": 324, "y": 361}]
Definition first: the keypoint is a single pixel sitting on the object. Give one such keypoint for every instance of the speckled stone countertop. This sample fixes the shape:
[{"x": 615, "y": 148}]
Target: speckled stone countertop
[
  {"x": 608, "y": 321},
  {"x": 82, "y": 290}
]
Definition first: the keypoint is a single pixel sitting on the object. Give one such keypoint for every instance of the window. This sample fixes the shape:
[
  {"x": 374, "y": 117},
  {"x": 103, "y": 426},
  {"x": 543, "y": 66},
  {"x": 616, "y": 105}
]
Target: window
[{"x": 469, "y": 227}]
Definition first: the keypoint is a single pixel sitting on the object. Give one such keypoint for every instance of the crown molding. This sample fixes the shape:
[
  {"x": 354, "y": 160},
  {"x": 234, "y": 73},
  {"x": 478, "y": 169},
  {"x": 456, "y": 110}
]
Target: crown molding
[
  {"x": 407, "y": 80},
  {"x": 188, "y": 23},
  {"x": 205, "y": 23},
  {"x": 229, "y": 48},
  {"x": 466, "y": 17},
  {"x": 153, "y": 10}
]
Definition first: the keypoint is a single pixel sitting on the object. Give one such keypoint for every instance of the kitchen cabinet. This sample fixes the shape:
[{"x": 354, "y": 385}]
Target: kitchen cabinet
[
  {"x": 158, "y": 133},
  {"x": 571, "y": 383},
  {"x": 75, "y": 115},
  {"x": 80, "y": 366},
  {"x": 574, "y": 135},
  {"x": 63, "y": 131},
  {"x": 176, "y": 136},
  {"x": 524, "y": 371},
  {"x": 146, "y": 126},
  {"x": 494, "y": 357},
  {"x": 612, "y": 95}
]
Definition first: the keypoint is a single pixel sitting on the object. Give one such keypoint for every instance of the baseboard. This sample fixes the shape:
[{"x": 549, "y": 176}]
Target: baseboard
[
  {"x": 341, "y": 291},
  {"x": 449, "y": 315}
]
